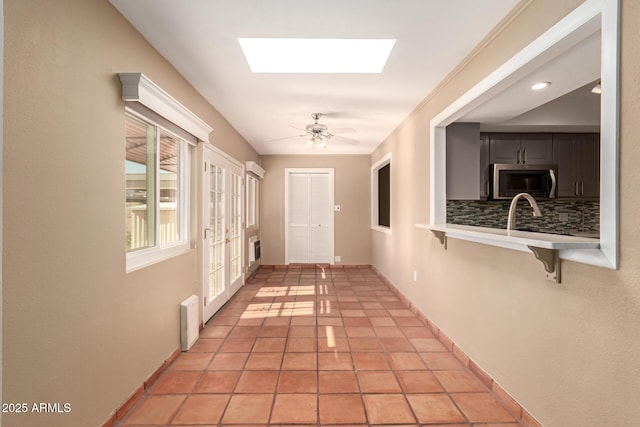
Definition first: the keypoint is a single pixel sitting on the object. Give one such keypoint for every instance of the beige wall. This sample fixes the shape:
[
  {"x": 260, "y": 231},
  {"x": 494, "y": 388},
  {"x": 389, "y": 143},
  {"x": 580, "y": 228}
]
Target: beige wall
[
  {"x": 77, "y": 328},
  {"x": 569, "y": 353},
  {"x": 352, "y": 192}
]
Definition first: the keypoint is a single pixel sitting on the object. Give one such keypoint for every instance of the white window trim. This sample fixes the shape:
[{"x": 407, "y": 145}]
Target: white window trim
[
  {"x": 609, "y": 12},
  {"x": 386, "y": 160},
  {"x": 144, "y": 257},
  {"x": 255, "y": 203}
]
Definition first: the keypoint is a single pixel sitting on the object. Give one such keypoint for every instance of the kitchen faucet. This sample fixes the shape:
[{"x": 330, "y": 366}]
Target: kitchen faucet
[{"x": 511, "y": 221}]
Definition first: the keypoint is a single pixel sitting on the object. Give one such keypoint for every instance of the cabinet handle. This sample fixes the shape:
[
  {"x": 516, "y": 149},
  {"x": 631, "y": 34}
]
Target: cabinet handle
[
  {"x": 582, "y": 188},
  {"x": 518, "y": 157},
  {"x": 575, "y": 189},
  {"x": 524, "y": 156}
]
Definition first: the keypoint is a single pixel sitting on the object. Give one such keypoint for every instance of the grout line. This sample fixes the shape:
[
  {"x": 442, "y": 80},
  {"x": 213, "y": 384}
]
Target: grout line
[
  {"x": 462, "y": 357},
  {"x": 349, "y": 297}
]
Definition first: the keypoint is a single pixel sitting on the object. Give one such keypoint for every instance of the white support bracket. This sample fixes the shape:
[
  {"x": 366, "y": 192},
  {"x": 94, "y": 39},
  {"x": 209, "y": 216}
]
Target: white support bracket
[
  {"x": 550, "y": 258},
  {"x": 441, "y": 236}
]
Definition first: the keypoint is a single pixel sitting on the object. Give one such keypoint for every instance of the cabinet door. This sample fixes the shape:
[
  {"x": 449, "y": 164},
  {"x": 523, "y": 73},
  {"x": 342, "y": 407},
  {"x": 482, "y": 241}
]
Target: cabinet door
[
  {"x": 463, "y": 161},
  {"x": 588, "y": 164},
  {"x": 565, "y": 158},
  {"x": 537, "y": 149},
  {"x": 578, "y": 160},
  {"x": 485, "y": 170},
  {"x": 504, "y": 148}
]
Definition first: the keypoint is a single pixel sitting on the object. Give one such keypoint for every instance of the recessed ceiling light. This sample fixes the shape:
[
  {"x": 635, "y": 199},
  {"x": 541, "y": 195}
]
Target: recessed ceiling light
[
  {"x": 275, "y": 55},
  {"x": 540, "y": 85}
]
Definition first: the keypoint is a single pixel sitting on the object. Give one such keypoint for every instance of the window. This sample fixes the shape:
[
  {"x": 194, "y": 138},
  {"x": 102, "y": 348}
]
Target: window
[
  {"x": 252, "y": 201},
  {"x": 384, "y": 189},
  {"x": 381, "y": 195},
  {"x": 160, "y": 136},
  {"x": 157, "y": 188},
  {"x": 577, "y": 25}
]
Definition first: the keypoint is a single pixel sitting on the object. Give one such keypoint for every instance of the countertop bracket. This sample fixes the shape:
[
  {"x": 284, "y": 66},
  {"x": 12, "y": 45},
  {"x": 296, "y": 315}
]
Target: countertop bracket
[
  {"x": 551, "y": 261},
  {"x": 441, "y": 236}
]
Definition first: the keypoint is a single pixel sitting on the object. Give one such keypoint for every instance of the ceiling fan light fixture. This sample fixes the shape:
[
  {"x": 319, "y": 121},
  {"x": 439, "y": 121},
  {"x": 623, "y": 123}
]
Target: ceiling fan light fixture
[
  {"x": 316, "y": 142},
  {"x": 321, "y": 56},
  {"x": 317, "y": 134}
]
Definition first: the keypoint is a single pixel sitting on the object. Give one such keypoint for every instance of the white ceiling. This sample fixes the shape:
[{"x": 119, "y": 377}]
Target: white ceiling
[
  {"x": 199, "y": 37},
  {"x": 567, "y": 102}
]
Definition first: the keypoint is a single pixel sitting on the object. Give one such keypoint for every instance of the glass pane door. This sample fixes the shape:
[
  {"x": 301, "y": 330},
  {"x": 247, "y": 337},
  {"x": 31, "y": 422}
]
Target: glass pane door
[
  {"x": 235, "y": 229},
  {"x": 222, "y": 234},
  {"x": 215, "y": 218},
  {"x": 216, "y": 227}
]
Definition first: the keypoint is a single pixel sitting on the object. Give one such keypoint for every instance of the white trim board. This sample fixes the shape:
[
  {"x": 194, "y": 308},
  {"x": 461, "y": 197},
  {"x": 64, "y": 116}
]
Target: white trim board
[
  {"x": 136, "y": 87},
  {"x": 255, "y": 169},
  {"x": 583, "y": 21}
]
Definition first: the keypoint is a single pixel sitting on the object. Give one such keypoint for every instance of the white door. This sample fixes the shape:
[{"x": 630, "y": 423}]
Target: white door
[
  {"x": 235, "y": 236},
  {"x": 221, "y": 229},
  {"x": 309, "y": 216}
]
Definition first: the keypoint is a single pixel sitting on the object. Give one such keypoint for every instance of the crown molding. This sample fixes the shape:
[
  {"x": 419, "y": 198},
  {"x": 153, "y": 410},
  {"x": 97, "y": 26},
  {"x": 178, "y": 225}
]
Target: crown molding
[{"x": 136, "y": 87}]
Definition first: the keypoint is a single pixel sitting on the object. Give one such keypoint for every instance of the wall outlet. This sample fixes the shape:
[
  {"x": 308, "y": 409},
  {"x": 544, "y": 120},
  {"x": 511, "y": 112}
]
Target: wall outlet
[
  {"x": 337, "y": 258},
  {"x": 415, "y": 275},
  {"x": 564, "y": 217}
]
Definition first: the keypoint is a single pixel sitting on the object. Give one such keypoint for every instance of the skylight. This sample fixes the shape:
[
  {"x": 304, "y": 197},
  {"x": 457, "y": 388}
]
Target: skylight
[{"x": 275, "y": 55}]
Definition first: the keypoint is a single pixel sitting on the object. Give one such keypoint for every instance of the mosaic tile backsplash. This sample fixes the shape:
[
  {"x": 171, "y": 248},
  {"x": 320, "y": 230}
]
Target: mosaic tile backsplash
[{"x": 582, "y": 216}]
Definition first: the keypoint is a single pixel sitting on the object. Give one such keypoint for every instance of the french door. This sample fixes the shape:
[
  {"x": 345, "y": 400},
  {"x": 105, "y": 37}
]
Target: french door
[
  {"x": 309, "y": 232},
  {"x": 221, "y": 229}
]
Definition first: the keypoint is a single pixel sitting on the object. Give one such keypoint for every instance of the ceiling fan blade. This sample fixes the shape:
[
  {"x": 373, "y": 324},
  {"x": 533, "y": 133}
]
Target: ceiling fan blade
[
  {"x": 289, "y": 137},
  {"x": 344, "y": 139},
  {"x": 343, "y": 130},
  {"x": 297, "y": 128},
  {"x": 339, "y": 115}
]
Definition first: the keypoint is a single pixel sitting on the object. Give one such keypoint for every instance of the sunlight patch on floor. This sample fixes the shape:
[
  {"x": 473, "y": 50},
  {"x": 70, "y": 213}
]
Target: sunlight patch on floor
[{"x": 276, "y": 309}]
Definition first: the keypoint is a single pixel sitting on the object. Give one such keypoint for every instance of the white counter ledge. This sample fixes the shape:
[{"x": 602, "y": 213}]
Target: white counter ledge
[{"x": 544, "y": 246}]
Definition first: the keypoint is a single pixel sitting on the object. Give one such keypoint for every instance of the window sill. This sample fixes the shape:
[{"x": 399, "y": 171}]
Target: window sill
[
  {"x": 385, "y": 230},
  {"x": 513, "y": 239},
  {"x": 145, "y": 257}
]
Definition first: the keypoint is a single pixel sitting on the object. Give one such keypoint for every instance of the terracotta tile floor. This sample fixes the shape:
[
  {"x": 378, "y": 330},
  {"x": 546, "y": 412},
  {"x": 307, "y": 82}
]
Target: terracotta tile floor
[{"x": 309, "y": 347}]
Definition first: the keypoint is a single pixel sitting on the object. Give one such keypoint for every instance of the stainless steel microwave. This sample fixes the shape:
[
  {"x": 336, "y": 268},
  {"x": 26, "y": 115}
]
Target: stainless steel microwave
[{"x": 538, "y": 180}]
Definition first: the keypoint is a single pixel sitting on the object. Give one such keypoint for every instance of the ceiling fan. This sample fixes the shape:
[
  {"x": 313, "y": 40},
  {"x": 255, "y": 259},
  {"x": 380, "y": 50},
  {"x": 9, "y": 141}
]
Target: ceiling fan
[{"x": 317, "y": 134}]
